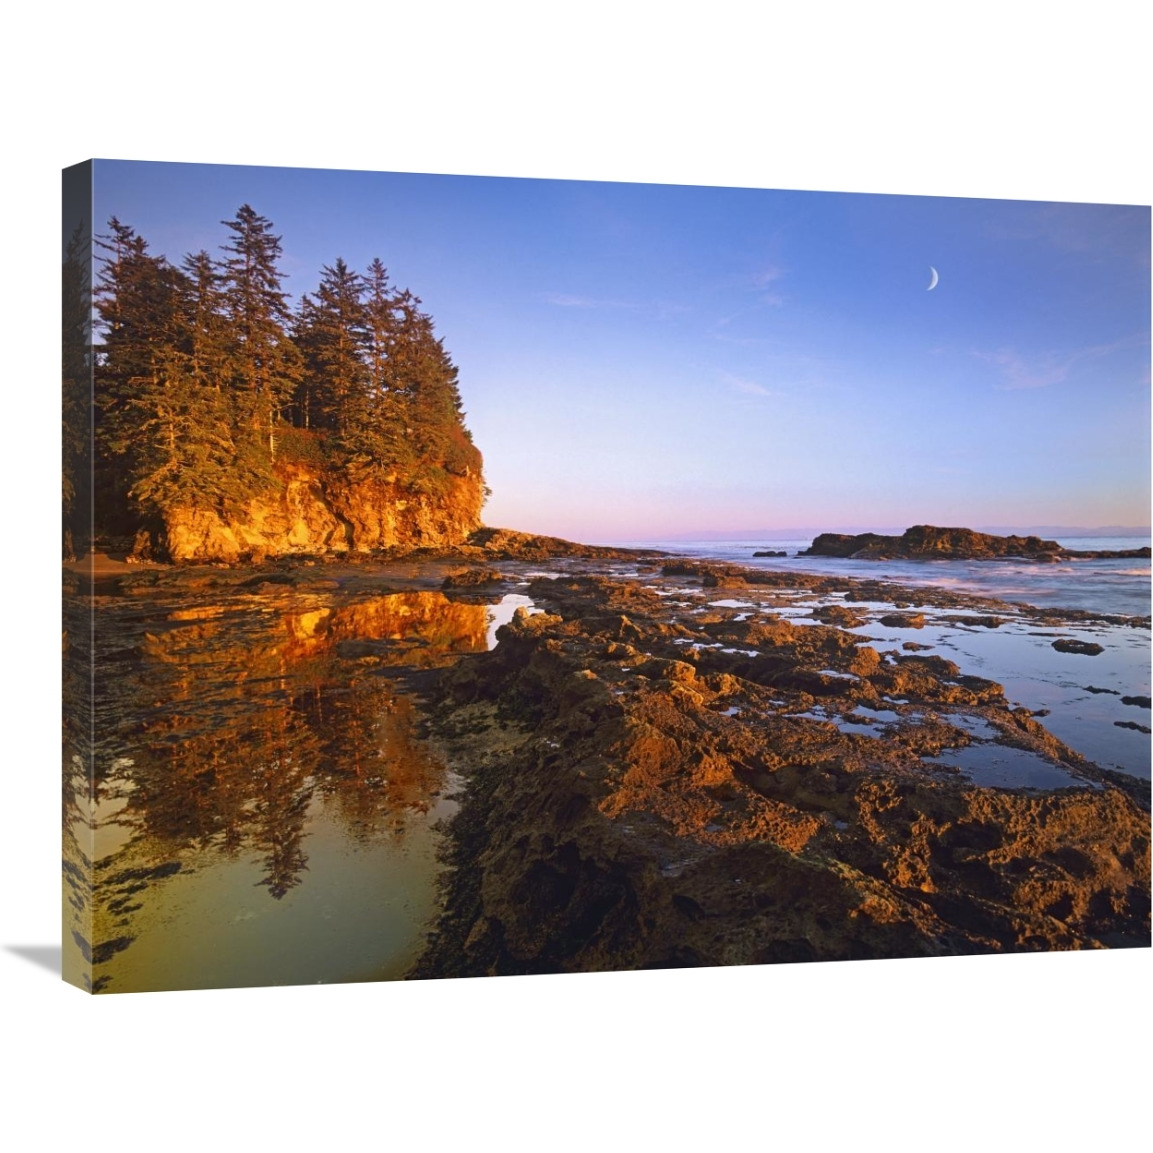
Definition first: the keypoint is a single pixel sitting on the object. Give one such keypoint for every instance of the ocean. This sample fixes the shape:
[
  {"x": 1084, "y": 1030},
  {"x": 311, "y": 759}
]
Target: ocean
[
  {"x": 1097, "y": 705},
  {"x": 1120, "y": 587}
]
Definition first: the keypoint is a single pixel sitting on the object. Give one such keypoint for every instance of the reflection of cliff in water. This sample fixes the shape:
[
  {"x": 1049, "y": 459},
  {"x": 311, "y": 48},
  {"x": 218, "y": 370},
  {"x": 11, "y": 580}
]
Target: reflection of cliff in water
[{"x": 229, "y": 733}]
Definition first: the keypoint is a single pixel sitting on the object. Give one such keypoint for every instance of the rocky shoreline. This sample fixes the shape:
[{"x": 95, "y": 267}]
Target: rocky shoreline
[
  {"x": 117, "y": 555},
  {"x": 669, "y": 763},
  {"x": 654, "y": 779}
]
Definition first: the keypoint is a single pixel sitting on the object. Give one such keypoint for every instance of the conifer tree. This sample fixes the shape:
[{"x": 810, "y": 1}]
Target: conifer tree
[
  {"x": 380, "y": 322},
  {"x": 267, "y": 364},
  {"x": 197, "y": 371},
  {"x": 332, "y": 336},
  {"x": 138, "y": 422},
  {"x": 424, "y": 379},
  {"x": 222, "y": 462},
  {"x": 381, "y": 439},
  {"x": 208, "y": 341},
  {"x": 76, "y": 372}
]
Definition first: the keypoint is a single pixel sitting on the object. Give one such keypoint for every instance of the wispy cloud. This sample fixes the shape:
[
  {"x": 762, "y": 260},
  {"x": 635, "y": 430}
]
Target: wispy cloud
[
  {"x": 1021, "y": 372},
  {"x": 647, "y": 307},
  {"x": 761, "y": 280},
  {"x": 723, "y": 325},
  {"x": 566, "y": 300},
  {"x": 749, "y": 387},
  {"x": 1041, "y": 371},
  {"x": 768, "y": 275}
]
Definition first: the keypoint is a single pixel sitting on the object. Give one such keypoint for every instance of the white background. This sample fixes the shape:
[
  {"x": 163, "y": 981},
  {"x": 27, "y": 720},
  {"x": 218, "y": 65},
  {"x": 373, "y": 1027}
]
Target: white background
[{"x": 1048, "y": 1052}]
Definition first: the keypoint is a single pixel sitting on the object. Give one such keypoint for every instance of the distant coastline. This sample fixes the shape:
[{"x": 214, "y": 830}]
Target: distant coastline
[
  {"x": 930, "y": 542},
  {"x": 768, "y": 534}
]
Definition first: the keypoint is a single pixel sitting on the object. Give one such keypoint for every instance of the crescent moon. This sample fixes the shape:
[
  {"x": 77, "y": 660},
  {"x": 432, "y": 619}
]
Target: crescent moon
[{"x": 933, "y": 282}]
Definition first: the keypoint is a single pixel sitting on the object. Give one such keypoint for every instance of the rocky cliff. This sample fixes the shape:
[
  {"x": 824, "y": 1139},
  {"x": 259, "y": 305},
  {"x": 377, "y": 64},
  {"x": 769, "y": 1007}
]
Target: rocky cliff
[{"x": 312, "y": 510}]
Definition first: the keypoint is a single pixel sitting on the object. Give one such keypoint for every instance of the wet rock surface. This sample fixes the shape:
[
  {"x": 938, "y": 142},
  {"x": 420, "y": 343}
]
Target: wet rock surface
[
  {"x": 1083, "y": 648},
  {"x": 655, "y": 780},
  {"x": 207, "y": 542},
  {"x": 472, "y": 578},
  {"x": 690, "y": 763}
]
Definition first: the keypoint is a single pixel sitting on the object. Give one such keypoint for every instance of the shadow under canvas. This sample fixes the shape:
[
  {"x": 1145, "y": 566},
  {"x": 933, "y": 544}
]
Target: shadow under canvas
[{"x": 50, "y": 957}]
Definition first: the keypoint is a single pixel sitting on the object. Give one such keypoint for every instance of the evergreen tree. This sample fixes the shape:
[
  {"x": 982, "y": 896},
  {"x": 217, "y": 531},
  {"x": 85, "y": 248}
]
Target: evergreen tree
[
  {"x": 207, "y": 339},
  {"x": 135, "y": 305},
  {"x": 76, "y": 373},
  {"x": 168, "y": 425},
  {"x": 332, "y": 336},
  {"x": 197, "y": 372},
  {"x": 217, "y": 463},
  {"x": 380, "y": 322},
  {"x": 137, "y": 419},
  {"x": 424, "y": 381},
  {"x": 267, "y": 363},
  {"x": 379, "y": 437}
]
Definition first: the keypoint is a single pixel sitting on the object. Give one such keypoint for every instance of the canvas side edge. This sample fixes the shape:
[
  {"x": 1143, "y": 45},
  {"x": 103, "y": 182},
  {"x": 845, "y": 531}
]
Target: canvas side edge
[{"x": 77, "y": 609}]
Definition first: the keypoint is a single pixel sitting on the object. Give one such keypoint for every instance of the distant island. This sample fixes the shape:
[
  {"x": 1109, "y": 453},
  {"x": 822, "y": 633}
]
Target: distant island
[{"x": 928, "y": 542}]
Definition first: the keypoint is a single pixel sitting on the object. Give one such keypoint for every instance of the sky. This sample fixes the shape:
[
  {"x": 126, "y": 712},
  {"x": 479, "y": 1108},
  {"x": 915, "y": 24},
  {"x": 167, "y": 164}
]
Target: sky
[{"x": 643, "y": 361}]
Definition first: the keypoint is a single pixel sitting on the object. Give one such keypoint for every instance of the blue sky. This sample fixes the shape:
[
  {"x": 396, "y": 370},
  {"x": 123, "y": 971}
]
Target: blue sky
[{"x": 639, "y": 361}]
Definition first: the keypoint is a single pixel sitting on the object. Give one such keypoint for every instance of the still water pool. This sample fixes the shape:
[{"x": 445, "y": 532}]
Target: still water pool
[{"x": 264, "y": 810}]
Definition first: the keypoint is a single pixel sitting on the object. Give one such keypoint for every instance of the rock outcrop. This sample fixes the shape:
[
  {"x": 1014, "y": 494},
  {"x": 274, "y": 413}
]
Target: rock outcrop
[
  {"x": 927, "y": 542},
  {"x": 314, "y": 512},
  {"x": 648, "y": 789}
]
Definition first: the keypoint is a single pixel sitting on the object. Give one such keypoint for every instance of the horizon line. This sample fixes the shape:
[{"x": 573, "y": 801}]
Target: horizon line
[{"x": 796, "y": 533}]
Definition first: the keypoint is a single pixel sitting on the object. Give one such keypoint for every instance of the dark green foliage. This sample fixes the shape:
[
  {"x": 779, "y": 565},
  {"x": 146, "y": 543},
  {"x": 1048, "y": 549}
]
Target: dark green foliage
[
  {"x": 266, "y": 365},
  {"x": 207, "y": 385},
  {"x": 330, "y": 332},
  {"x": 411, "y": 420},
  {"x": 138, "y": 303},
  {"x": 304, "y": 446},
  {"x": 173, "y": 429},
  {"x": 76, "y": 375}
]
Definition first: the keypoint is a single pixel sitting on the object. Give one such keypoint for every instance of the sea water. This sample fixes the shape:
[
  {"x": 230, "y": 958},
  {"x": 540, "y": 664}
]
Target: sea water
[
  {"x": 1115, "y": 587},
  {"x": 263, "y": 807},
  {"x": 1092, "y": 703}
]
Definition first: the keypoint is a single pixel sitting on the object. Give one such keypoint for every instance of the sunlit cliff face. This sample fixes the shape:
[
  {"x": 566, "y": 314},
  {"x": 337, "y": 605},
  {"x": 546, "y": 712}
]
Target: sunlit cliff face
[
  {"x": 311, "y": 513},
  {"x": 231, "y": 734}
]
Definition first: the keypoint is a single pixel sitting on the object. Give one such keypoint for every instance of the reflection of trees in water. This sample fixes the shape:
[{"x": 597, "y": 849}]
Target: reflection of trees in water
[
  {"x": 379, "y": 773},
  {"x": 246, "y": 786},
  {"x": 234, "y": 723},
  {"x": 283, "y": 784},
  {"x": 77, "y": 868},
  {"x": 76, "y": 792}
]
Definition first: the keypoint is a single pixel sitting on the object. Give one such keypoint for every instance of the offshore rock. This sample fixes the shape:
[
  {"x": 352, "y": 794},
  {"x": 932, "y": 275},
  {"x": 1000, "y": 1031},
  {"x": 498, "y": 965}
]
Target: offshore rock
[
  {"x": 926, "y": 541},
  {"x": 1085, "y": 648}
]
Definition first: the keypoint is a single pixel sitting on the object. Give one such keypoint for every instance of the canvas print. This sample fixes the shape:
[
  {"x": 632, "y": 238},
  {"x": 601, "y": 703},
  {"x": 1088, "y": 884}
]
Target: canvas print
[{"x": 469, "y": 576}]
